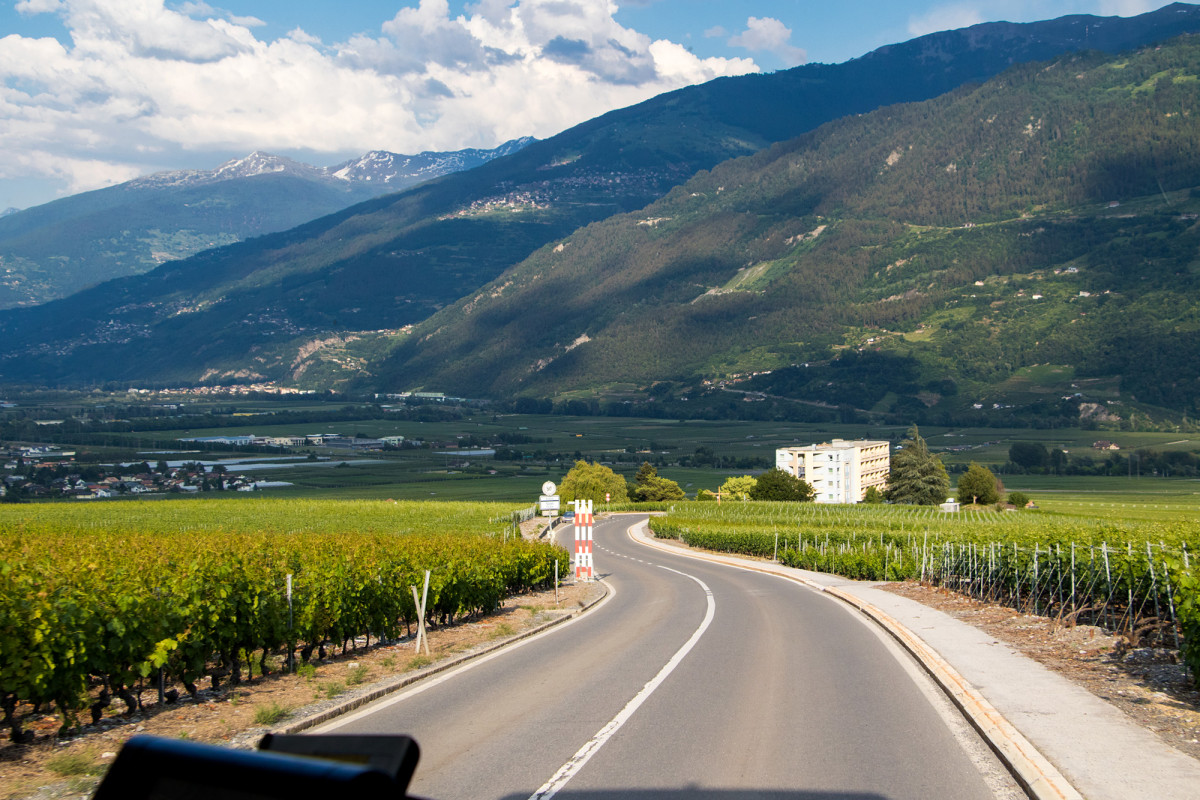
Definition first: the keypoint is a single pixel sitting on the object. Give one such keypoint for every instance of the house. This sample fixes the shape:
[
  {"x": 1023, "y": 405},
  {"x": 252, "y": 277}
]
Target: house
[
  {"x": 950, "y": 506},
  {"x": 1104, "y": 444},
  {"x": 840, "y": 471}
]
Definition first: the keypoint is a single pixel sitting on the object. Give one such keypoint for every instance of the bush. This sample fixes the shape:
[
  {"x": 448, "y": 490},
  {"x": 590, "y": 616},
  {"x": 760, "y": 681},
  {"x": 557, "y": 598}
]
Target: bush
[{"x": 1018, "y": 499}]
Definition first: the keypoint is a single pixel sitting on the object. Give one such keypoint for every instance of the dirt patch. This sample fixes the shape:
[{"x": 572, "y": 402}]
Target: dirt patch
[
  {"x": 1148, "y": 685},
  {"x": 54, "y": 767}
]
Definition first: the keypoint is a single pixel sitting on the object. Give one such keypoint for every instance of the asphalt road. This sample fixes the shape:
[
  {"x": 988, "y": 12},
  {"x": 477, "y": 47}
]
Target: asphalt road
[{"x": 691, "y": 680}]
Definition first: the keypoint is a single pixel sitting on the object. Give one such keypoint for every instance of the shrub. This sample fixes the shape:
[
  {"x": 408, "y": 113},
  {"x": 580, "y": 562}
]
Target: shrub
[{"x": 1018, "y": 499}]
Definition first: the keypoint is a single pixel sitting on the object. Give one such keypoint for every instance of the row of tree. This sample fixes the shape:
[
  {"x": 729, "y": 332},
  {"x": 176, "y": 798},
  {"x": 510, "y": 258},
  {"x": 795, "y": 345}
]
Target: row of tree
[{"x": 917, "y": 477}]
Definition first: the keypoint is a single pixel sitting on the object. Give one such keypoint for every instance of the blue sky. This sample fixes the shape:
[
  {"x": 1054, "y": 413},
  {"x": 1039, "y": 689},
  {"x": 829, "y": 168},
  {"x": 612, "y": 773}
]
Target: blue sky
[{"x": 95, "y": 92}]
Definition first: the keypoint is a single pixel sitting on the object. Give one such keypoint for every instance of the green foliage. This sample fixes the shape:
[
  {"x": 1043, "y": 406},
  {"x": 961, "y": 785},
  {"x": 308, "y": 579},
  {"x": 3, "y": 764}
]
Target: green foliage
[
  {"x": 270, "y": 713},
  {"x": 1187, "y": 609},
  {"x": 206, "y": 586},
  {"x": 917, "y": 476},
  {"x": 1018, "y": 499},
  {"x": 873, "y": 496},
  {"x": 652, "y": 488},
  {"x": 73, "y": 763},
  {"x": 357, "y": 675},
  {"x": 738, "y": 487},
  {"x": 592, "y": 482},
  {"x": 776, "y": 484},
  {"x": 977, "y": 486},
  {"x": 1030, "y": 455}
]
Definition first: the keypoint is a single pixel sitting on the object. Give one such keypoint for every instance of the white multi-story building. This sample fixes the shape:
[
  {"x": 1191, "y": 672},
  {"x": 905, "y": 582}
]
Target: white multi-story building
[{"x": 839, "y": 471}]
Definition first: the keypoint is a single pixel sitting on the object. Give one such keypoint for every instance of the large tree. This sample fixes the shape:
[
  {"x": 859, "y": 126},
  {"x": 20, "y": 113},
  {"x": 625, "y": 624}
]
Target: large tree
[
  {"x": 977, "y": 486},
  {"x": 592, "y": 482},
  {"x": 775, "y": 484},
  {"x": 653, "y": 488},
  {"x": 1030, "y": 455},
  {"x": 738, "y": 487},
  {"x": 917, "y": 477}
]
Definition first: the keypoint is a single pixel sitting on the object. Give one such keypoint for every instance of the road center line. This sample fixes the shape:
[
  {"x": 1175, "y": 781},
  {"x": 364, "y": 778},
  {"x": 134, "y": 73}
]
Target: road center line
[{"x": 577, "y": 761}]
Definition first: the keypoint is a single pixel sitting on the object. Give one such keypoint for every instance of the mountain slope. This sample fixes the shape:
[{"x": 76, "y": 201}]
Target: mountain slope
[
  {"x": 61, "y": 247},
  {"x": 253, "y": 309},
  {"x": 1048, "y": 216}
]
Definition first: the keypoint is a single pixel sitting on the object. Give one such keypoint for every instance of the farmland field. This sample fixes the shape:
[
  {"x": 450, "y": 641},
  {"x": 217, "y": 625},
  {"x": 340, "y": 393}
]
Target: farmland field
[
  {"x": 109, "y": 595},
  {"x": 1111, "y": 558}
]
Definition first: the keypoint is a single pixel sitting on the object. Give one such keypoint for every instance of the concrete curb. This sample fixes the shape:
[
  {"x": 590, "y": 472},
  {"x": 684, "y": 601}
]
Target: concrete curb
[
  {"x": 1039, "y": 778},
  {"x": 395, "y": 684}
]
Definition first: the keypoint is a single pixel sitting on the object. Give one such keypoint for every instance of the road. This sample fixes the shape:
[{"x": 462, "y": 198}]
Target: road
[{"x": 691, "y": 679}]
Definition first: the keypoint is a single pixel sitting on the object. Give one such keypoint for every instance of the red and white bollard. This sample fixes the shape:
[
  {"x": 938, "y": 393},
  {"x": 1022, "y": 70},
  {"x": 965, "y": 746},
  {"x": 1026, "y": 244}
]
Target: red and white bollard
[{"x": 583, "y": 540}]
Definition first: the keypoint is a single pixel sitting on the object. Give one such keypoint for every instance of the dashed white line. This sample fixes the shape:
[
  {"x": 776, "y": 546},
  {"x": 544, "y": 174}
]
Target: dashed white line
[{"x": 585, "y": 753}]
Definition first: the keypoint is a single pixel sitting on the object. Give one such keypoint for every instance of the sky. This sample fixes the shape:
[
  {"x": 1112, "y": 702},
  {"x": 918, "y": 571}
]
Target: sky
[{"x": 98, "y": 92}]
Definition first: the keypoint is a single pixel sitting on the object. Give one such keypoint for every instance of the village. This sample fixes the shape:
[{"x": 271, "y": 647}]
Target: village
[{"x": 44, "y": 472}]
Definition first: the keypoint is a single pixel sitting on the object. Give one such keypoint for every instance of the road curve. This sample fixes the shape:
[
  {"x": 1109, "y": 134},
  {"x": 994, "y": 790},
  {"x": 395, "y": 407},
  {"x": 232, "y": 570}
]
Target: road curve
[{"x": 692, "y": 679}]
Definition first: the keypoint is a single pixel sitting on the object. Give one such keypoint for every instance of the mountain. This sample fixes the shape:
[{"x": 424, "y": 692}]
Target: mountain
[
  {"x": 61, "y": 247},
  {"x": 930, "y": 258},
  {"x": 324, "y": 302}
]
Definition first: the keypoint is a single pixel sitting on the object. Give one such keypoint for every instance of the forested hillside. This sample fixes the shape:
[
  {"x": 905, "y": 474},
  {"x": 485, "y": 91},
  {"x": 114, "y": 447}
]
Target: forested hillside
[{"x": 917, "y": 258}]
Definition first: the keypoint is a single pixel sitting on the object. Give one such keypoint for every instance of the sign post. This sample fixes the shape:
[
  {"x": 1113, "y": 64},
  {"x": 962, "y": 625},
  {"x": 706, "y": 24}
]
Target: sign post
[{"x": 548, "y": 502}]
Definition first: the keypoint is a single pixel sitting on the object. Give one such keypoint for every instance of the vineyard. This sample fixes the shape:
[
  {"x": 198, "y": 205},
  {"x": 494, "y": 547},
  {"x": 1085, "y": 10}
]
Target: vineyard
[
  {"x": 109, "y": 601},
  {"x": 1133, "y": 577}
]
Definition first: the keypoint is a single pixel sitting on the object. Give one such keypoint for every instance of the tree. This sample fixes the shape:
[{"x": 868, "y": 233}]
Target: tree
[
  {"x": 873, "y": 495},
  {"x": 658, "y": 490},
  {"x": 651, "y": 488},
  {"x": 917, "y": 477},
  {"x": 977, "y": 486},
  {"x": 1029, "y": 455},
  {"x": 591, "y": 482},
  {"x": 738, "y": 487},
  {"x": 775, "y": 484}
]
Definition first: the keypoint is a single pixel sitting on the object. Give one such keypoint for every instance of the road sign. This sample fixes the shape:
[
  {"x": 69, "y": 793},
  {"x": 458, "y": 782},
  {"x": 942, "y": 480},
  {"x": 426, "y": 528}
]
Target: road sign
[
  {"x": 548, "y": 487},
  {"x": 548, "y": 504}
]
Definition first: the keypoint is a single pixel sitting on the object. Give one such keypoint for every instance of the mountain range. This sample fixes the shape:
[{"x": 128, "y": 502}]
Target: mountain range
[
  {"x": 59, "y": 248},
  {"x": 881, "y": 260},
  {"x": 1035, "y": 235}
]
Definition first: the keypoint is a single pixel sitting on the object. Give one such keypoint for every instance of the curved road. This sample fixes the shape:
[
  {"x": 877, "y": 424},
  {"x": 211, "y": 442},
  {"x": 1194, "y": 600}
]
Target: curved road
[{"x": 691, "y": 679}]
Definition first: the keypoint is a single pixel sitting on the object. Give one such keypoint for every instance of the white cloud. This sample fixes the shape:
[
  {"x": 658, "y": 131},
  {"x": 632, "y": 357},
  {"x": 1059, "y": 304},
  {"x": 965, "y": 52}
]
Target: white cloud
[
  {"x": 37, "y": 6},
  {"x": 140, "y": 83},
  {"x": 945, "y": 18},
  {"x": 1127, "y": 8},
  {"x": 772, "y": 36}
]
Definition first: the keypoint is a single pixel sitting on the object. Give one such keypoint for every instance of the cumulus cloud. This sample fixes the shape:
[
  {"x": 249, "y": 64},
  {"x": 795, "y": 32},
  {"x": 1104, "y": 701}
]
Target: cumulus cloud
[
  {"x": 766, "y": 34},
  {"x": 141, "y": 84}
]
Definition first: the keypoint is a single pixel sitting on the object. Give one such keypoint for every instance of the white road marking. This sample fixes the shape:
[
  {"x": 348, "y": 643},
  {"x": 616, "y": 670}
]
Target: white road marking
[{"x": 577, "y": 761}]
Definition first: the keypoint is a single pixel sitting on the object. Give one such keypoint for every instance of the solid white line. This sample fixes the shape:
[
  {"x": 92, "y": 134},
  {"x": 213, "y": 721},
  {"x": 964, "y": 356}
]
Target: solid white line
[
  {"x": 577, "y": 761},
  {"x": 421, "y": 686}
]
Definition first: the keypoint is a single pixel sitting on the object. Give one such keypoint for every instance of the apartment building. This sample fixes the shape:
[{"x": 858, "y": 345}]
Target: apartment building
[{"x": 839, "y": 471}]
